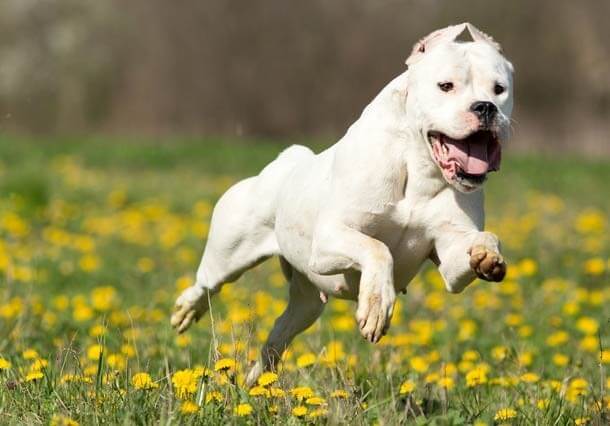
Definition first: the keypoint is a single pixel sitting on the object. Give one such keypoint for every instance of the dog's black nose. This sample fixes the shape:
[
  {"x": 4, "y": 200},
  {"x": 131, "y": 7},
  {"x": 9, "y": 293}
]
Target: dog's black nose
[{"x": 486, "y": 111}]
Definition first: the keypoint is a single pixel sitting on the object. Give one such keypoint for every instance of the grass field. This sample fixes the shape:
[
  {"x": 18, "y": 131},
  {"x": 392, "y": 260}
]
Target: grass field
[{"x": 97, "y": 237}]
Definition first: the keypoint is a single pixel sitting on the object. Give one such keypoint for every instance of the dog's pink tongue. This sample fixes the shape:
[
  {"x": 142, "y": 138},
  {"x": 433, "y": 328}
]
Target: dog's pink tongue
[{"x": 471, "y": 157}]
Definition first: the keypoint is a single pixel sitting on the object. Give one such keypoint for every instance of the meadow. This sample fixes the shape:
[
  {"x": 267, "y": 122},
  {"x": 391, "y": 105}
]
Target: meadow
[{"x": 97, "y": 238}]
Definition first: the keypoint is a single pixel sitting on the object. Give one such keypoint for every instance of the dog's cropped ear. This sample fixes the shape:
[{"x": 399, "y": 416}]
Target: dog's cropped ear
[
  {"x": 439, "y": 36},
  {"x": 478, "y": 35}
]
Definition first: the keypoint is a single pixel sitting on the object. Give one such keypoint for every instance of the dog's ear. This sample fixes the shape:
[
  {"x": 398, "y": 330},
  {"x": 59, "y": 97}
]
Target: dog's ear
[
  {"x": 478, "y": 35},
  {"x": 439, "y": 36}
]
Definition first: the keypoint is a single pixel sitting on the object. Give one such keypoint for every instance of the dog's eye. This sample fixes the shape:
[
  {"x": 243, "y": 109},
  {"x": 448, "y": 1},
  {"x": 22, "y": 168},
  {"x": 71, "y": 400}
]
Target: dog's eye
[
  {"x": 446, "y": 87},
  {"x": 499, "y": 89}
]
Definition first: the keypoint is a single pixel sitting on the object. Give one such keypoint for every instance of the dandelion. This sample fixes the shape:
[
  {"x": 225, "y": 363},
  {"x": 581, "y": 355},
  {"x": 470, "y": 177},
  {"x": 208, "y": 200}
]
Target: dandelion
[
  {"x": 59, "y": 420},
  {"x": 339, "y": 394},
  {"x": 505, "y": 414},
  {"x": 299, "y": 411},
  {"x": 302, "y": 392},
  {"x": 33, "y": 376},
  {"x": 277, "y": 392},
  {"x": 446, "y": 383},
  {"x": 499, "y": 353},
  {"x": 259, "y": 391},
  {"x": 407, "y": 387},
  {"x": 225, "y": 364},
  {"x": 185, "y": 383},
  {"x": 476, "y": 377},
  {"x": 5, "y": 364},
  {"x": 419, "y": 364},
  {"x": 213, "y": 396},
  {"x": 243, "y": 410},
  {"x": 315, "y": 400},
  {"x": 560, "y": 360},
  {"x": 143, "y": 381},
  {"x": 188, "y": 407},
  {"x": 587, "y": 325},
  {"x": 306, "y": 360},
  {"x": 94, "y": 352},
  {"x": 30, "y": 354},
  {"x": 267, "y": 378},
  {"x": 529, "y": 377},
  {"x": 582, "y": 421},
  {"x": 319, "y": 412}
]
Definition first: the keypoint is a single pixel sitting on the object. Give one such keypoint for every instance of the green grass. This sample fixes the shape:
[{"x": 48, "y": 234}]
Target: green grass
[{"x": 102, "y": 232}]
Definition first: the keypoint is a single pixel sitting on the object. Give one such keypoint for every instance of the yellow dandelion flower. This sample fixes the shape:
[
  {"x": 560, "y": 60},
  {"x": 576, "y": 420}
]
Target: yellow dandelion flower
[
  {"x": 39, "y": 365},
  {"x": 315, "y": 400},
  {"x": 243, "y": 410},
  {"x": 530, "y": 378},
  {"x": 582, "y": 421},
  {"x": 558, "y": 338},
  {"x": 183, "y": 340},
  {"x": 505, "y": 414},
  {"x": 189, "y": 407},
  {"x": 225, "y": 364},
  {"x": 59, "y": 420},
  {"x": 97, "y": 330},
  {"x": 446, "y": 383},
  {"x": 476, "y": 377},
  {"x": 587, "y": 325},
  {"x": 499, "y": 353},
  {"x": 299, "y": 411},
  {"x": 319, "y": 412},
  {"x": 30, "y": 354},
  {"x": 407, "y": 387},
  {"x": 470, "y": 355},
  {"x": 185, "y": 383},
  {"x": 543, "y": 404},
  {"x": 213, "y": 396},
  {"x": 302, "y": 392},
  {"x": 419, "y": 364},
  {"x": 143, "y": 381},
  {"x": 277, "y": 392},
  {"x": 604, "y": 357},
  {"x": 94, "y": 352},
  {"x": 339, "y": 393},
  {"x": 33, "y": 376},
  {"x": 560, "y": 360},
  {"x": 5, "y": 364},
  {"x": 201, "y": 371},
  {"x": 267, "y": 378},
  {"x": 259, "y": 391},
  {"x": 594, "y": 266},
  {"x": 306, "y": 360}
]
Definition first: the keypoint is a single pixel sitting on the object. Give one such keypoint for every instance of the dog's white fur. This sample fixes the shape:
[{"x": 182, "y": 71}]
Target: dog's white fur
[{"x": 359, "y": 219}]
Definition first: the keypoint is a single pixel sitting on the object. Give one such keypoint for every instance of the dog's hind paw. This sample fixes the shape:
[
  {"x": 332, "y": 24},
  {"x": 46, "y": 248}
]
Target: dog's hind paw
[
  {"x": 189, "y": 307},
  {"x": 489, "y": 265}
]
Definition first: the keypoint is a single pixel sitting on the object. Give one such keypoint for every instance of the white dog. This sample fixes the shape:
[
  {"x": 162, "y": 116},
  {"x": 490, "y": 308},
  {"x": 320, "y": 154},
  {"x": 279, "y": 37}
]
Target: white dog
[{"x": 358, "y": 220}]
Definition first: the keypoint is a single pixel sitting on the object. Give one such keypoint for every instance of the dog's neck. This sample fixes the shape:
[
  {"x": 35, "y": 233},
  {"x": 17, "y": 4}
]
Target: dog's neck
[{"x": 387, "y": 113}]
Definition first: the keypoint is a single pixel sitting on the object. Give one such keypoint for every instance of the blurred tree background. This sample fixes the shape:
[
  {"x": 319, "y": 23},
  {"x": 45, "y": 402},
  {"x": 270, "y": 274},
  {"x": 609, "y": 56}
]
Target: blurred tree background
[{"x": 283, "y": 69}]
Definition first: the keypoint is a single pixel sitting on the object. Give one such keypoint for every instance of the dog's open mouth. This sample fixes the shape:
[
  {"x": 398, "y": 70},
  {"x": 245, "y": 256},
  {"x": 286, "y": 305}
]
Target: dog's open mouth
[{"x": 467, "y": 160}]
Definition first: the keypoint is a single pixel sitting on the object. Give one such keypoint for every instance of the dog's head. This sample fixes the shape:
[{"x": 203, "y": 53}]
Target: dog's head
[{"x": 461, "y": 95}]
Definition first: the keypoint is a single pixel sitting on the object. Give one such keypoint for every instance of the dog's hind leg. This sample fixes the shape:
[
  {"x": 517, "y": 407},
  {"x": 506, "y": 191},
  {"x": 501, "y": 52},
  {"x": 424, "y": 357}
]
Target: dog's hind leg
[
  {"x": 241, "y": 236},
  {"x": 304, "y": 308}
]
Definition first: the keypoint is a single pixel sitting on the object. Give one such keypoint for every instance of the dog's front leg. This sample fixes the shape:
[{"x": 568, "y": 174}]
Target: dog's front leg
[
  {"x": 464, "y": 255},
  {"x": 338, "y": 248}
]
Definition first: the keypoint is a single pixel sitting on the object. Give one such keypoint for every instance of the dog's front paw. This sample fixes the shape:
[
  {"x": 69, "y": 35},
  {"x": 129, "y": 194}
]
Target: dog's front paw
[
  {"x": 487, "y": 264},
  {"x": 189, "y": 307},
  {"x": 375, "y": 313}
]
